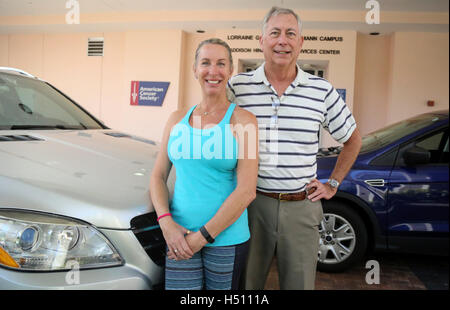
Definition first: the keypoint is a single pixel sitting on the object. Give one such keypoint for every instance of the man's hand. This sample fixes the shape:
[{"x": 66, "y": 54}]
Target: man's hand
[
  {"x": 322, "y": 190},
  {"x": 345, "y": 161}
]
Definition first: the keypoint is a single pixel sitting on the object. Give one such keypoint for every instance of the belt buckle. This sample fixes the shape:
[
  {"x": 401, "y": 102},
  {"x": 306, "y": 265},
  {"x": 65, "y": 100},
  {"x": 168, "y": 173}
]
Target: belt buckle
[
  {"x": 307, "y": 192},
  {"x": 279, "y": 197},
  {"x": 310, "y": 191}
]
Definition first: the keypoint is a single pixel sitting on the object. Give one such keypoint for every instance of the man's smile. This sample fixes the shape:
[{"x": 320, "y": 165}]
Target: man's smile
[{"x": 282, "y": 52}]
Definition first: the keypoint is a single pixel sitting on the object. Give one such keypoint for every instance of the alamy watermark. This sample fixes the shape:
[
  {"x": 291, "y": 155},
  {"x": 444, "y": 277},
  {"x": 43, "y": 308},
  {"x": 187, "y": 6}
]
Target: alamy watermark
[
  {"x": 73, "y": 15},
  {"x": 373, "y": 15},
  {"x": 373, "y": 275},
  {"x": 73, "y": 275},
  {"x": 213, "y": 142}
]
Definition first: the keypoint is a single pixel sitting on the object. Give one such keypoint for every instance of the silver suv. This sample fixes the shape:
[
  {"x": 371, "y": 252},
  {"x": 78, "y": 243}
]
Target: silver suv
[{"x": 75, "y": 211}]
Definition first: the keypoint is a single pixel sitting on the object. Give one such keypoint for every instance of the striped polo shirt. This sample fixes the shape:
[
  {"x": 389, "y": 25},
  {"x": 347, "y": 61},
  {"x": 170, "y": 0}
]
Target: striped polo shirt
[{"x": 289, "y": 125}]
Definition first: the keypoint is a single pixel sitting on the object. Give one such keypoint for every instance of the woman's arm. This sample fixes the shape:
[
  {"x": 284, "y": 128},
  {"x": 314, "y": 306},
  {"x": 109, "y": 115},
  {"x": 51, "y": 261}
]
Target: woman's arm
[{"x": 173, "y": 233}]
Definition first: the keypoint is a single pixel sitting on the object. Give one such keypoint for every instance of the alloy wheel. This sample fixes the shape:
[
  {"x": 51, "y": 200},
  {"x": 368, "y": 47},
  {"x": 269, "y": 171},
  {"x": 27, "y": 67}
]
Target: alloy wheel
[{"x": 337, "y": 239}]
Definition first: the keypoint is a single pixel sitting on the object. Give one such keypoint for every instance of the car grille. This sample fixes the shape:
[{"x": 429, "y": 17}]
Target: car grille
[{"x": 147, "y": 231}]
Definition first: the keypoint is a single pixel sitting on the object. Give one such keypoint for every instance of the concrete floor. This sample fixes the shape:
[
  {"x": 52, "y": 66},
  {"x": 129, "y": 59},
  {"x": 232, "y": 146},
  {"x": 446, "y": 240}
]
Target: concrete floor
[{"x": 397, "y": 272}]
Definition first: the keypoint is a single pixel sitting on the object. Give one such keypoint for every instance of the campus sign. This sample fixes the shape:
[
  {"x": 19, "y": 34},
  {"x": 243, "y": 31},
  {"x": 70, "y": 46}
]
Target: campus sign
[{"x": 313, "y": 38}]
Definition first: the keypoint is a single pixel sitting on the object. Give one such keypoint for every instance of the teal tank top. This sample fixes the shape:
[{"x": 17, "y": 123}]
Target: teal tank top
[{"x": 205, "y": 161}]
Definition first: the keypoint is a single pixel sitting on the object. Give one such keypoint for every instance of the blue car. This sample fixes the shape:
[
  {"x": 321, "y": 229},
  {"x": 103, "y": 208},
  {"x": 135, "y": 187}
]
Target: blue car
[{"x": 395, "y": 198}]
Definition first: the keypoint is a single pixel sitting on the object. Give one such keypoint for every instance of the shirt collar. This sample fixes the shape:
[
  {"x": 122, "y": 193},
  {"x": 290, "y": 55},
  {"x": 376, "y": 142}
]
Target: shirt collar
[{"x": 300, "y": 79}]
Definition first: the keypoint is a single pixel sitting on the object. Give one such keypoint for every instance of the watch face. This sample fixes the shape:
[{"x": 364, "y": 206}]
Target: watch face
[{"x": 333, "y": 183}]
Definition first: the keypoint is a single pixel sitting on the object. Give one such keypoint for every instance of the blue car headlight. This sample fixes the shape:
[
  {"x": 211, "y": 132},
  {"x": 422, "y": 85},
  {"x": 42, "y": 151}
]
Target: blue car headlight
[{"x": 42, "y": 242}]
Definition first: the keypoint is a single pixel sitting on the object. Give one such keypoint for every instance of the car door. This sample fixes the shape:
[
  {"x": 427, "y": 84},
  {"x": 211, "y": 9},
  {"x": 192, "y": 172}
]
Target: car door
[{"x": 418, "y": 197}]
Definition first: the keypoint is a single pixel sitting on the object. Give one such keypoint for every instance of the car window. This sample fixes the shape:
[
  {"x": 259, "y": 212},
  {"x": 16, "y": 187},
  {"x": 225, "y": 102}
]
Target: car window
[
  {"x": 436, "y": 143},
  {"x": 33, "y": 104},
  {"x": 43, "y": 106},
  {"x": 387, "y": 159},
  {"x": 390, "y": 134},
  {"x": 431, "y": 143}
]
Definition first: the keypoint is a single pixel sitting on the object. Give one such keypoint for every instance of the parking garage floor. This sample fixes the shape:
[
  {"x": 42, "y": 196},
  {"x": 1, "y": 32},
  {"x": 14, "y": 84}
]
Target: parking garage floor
[{"x": 397, "y": 272}]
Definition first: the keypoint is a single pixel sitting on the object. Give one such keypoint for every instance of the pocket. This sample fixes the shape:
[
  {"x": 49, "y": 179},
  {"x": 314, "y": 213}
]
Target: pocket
[{"x": 318, "y": 212}]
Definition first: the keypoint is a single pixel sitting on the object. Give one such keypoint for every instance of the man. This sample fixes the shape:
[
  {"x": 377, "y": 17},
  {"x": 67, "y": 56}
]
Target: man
[{"x": 290, "y": 106}]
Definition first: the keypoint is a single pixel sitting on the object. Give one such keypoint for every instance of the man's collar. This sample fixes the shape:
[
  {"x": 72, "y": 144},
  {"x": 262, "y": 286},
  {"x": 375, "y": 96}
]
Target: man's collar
[
  {"x": 301, "y": 78},
  {"x": 260, "y": 76}
]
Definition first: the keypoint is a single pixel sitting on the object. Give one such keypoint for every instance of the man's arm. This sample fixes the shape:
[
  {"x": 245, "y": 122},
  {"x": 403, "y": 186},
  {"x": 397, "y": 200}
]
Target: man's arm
[{"x": 343, "y": 165}]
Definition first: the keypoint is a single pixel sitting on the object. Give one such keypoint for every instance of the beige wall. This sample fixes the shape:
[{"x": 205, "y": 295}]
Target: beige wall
[
  {"x": 147, "y": 56},
  {"x": 26, "y": 52},
  {"x": 67, "y": 66},
  {"x": 419, "y": 72},
  {"x": 396, "y": 74},
  {"x": 190, "y": 89},
  {"x": 102, "y": 84},
  {"x": 4, "y": 46},
  {"x": 371, "y": 81},
  {"x": 387, "y": 78},
  {"x": 114, "y": 86}
]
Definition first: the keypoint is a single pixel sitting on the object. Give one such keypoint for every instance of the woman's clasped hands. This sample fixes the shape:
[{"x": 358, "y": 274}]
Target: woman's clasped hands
[{"x": 181, "y": 242}]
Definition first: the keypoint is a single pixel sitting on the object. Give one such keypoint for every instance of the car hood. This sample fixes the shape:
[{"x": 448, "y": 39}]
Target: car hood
[{"x": 99, "y": 176}]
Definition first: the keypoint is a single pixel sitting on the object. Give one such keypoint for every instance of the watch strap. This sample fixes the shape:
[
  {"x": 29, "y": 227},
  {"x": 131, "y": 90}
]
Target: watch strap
[{"x": 206, "y": 234}]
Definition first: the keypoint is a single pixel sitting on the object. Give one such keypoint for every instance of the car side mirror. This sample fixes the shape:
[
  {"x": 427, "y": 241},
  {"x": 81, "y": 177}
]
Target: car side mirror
[{"x": 416, "y": 156}]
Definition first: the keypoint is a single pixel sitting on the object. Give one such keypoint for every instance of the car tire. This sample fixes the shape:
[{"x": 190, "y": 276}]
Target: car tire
[{"x": 343, "y": 237}]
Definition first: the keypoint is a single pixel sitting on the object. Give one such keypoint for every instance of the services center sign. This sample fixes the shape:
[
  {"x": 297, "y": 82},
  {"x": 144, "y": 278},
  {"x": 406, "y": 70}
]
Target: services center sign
[{"x": 148, "y": 93}]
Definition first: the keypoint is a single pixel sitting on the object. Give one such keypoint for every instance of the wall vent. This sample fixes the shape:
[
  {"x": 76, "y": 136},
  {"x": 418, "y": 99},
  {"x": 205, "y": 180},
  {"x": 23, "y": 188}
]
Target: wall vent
[{"x": 95, "y": 46}]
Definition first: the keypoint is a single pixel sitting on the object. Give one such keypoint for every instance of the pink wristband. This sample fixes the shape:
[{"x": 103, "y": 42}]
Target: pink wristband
[{"x": 164, "y": 215}]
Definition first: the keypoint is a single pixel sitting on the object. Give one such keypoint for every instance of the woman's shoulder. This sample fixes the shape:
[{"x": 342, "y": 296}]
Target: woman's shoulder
[
  {"x": 177, "y": 115},
  {"x": 243, "y": 116}
]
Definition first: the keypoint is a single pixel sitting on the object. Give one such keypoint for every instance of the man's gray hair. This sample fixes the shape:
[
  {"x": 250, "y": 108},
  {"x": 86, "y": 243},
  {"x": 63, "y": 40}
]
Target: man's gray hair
[
  {"x": 274, "y": 11},
  {"x": 214, "y": 41}
]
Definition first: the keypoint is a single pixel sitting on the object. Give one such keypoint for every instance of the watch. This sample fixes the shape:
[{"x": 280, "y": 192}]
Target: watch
[
  {"x": 206, "y": 235},
  {"x": 333, "y": 183}
]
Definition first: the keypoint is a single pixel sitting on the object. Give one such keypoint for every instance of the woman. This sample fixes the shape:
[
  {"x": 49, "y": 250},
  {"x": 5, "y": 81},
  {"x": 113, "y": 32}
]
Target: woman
[{"x": 205, "y": 226}]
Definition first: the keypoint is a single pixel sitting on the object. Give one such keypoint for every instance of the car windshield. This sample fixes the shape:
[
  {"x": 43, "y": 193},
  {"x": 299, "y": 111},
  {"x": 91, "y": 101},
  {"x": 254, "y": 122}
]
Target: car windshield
[
  {"x": 27, "y": 103},
  {"x": 387, "y": 135}
]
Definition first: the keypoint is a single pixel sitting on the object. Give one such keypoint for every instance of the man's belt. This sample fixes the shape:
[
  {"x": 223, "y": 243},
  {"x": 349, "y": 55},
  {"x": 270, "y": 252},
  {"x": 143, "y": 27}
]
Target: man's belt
[{"x": 289, "y": 196}]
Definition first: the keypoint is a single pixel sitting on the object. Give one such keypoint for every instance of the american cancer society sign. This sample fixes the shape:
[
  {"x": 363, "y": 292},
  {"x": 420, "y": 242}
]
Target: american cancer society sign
[{"x": 148, "y": 93}]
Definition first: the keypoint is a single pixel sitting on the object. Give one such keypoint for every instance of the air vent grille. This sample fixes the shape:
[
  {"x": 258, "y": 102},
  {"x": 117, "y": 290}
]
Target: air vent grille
[
  {"x": 376, "y": 182},
  {"x": 124, "y": 135},
  {"x": 9, "y": 138},
  {"x": 95, "y": 46},
  {"x": 117, "y": 134}
]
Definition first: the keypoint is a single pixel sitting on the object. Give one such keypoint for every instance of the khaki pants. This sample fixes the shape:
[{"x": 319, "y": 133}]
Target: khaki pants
[{"x": 288, "y": 229}]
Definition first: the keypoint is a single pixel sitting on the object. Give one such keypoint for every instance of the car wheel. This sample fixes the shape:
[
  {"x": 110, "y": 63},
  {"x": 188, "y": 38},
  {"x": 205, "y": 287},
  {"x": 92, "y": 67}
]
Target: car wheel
[{"x": 343, "y": 238}]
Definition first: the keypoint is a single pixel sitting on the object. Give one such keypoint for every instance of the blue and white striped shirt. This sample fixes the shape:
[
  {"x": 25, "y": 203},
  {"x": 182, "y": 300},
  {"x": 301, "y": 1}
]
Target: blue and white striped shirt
[{"x": 289, "y": 141}]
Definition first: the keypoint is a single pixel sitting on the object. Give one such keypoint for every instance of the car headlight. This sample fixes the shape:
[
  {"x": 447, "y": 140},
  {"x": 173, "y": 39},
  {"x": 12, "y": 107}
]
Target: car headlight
[{"x": 42, "y": 242}]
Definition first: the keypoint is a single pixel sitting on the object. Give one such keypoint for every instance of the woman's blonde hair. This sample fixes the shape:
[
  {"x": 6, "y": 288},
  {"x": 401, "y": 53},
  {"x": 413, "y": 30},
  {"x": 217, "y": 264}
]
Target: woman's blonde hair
[{"x": 214, "y": 41}]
